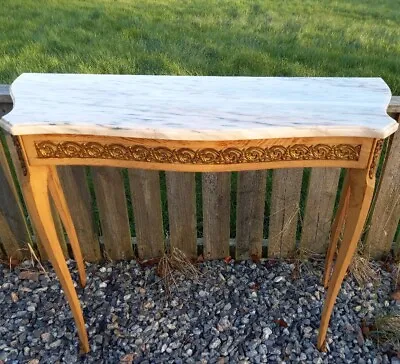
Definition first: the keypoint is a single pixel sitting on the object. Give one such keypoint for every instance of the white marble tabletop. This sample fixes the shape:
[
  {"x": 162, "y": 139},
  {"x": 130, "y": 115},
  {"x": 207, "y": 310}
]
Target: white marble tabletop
[{"x": 199, "y": 108}]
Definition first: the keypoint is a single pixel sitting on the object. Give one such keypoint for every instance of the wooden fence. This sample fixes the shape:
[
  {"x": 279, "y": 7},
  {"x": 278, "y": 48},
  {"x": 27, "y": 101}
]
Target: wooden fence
[{"x": 122, "y": 214}]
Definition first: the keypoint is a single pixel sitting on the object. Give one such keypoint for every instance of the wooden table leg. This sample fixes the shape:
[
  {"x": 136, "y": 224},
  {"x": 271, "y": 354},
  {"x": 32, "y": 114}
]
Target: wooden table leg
[
  {"x": 57, "y": 193},
  {"x": 38, "y": 179},
  {"x": 336, "y": 229},
  {"x": 361, "y": 191}
]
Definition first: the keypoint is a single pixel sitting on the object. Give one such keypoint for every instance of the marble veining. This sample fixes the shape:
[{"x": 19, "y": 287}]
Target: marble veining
[{"x": 199, "y": 108}]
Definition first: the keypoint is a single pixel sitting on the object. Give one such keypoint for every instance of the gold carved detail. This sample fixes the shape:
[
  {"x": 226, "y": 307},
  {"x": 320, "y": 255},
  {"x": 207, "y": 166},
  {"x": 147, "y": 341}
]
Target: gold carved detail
[
  {"x": 142, "y": 153},
  {"x": 375, "y": 158},
  {"x": 20, "y": 154}
]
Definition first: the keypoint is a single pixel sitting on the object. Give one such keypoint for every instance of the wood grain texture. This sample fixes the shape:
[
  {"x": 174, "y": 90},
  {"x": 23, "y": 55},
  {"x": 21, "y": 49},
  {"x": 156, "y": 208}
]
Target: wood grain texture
[
  {"x": 38, "y": 179},
  {"x": 59, "y": 228},
  {"x": 394, "y": 105},
  {"x": 31, "y": 211},
  {"x": 181, "y": 190},
  {"x": 146, "y": 200},
  {"x": 318, "y": 213},
  {"x": 14, "y": 233},
  {"x": 5, "y": 94},
  {"x": 197, "y": 156},
  {"x": 397, "y": 247},
  {"x": 111, "y": 202},
  {"x": 74, "y": 183},
  {"x": 361, "y": 191},
  {"x": 386, "y": 213},
  {"x": 57, "y": 193},
  {"x": 337, "y": 228},
  {"x": 286, "y": 188},
  {"x": 251, "y": 188},
  {"x": 3, "y": 255},
  {"x": 216, "y": 214}
]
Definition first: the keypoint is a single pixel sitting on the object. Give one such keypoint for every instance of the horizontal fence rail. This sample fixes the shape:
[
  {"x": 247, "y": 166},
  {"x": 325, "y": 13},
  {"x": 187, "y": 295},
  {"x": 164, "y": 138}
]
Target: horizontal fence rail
[{"x": 125, "y": 214}]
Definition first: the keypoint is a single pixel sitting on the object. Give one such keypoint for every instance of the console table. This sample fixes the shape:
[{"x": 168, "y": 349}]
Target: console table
[{"x": 199, "y": 124}]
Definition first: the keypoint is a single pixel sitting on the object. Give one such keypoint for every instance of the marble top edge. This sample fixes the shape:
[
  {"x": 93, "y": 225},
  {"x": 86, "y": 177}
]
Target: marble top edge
[{"x": 199, "y": 107}]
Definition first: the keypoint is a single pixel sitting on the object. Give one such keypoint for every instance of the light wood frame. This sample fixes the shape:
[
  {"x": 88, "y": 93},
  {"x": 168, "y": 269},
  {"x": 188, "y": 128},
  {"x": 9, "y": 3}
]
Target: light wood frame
[{"x": 40, "y": 154}]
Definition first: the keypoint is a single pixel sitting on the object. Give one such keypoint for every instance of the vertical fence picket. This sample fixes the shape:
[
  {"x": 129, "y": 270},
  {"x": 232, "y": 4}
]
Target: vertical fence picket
[
  {"x": 318, "y": 214},
  {"x": 182, "y": 211},
  {"x": 385, "y": 215},
  {"x": 216, "y": 214},
  {"x": 76, "y": 191},
  {"x": 146, "y": 200},
  {"x": 33, "y": 217},
  {"x": 250, "y": 213},
  {"x": 145, "y": 186},
  {"x": 113, "y": 212},
  {"x": 59, "y": 230},
  {"x": 286, "y": 188},
  {"x": 14, "y": 233}
]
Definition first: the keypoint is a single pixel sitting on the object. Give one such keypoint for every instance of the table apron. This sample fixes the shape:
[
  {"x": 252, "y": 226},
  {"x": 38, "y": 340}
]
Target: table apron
[{"x": 197, "y": 156}]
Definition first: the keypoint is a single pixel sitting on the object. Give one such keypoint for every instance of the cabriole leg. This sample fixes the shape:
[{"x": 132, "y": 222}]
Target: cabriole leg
[
  {"x": 361, "y": 191},
  {"x": 57, "y": 193},
  {"x": 336, "y": 229},
  {"x": 37, "y": 181}
]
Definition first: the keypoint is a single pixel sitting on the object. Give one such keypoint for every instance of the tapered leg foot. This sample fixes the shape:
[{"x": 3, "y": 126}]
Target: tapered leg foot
[
  {"x": 37, "y": 182},
  {"x": 336, "y": 230},
  {"x": 361, "y": 192},
  {"x": 62, "y": 207}
]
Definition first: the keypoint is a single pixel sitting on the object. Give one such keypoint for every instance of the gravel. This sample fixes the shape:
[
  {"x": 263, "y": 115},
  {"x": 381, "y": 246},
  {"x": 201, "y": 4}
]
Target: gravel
[{"x": 236, "y": 313}]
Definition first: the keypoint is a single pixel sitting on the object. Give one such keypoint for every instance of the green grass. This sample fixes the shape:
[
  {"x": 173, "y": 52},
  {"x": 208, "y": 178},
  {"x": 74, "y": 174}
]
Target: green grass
[{"x": 202, "y": 37}]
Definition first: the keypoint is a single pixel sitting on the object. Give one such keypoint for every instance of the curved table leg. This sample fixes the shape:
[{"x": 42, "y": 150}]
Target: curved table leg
[
  {"x": 361, "y": 192},
  {"x": 38, "y": 183},
  {"x": 336, "y": 229},
  {"x": 57, "y": 193}
]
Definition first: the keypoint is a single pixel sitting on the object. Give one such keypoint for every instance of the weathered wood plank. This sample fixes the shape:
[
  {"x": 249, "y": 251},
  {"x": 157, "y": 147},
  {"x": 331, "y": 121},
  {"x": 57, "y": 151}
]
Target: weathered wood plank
[
  {"x": 32, "y": 214},
  {"x": 5, "y": 94},
  {"x": 146, "y": 200},
  {"x": 216, "y": 214},
  {"x": 113, "y": 212},
  {"x": 59, "y": 228},
  {"x": 14, "y": 233},
  {"x": 251, "y": 188},
  {"x": 286, "y": 188},
  {"x": 182, "y": 211},
  {"x": 386, "y": 213},
  {"x": 397, "y": 246},
  {"x": 318, "y": 214},
  {"x": 394, "y": 105},
  {"x": 76, "y": 191}
]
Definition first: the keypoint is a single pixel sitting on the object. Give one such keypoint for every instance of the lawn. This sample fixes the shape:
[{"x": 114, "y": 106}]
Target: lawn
[{"x": 202, "y": 37}]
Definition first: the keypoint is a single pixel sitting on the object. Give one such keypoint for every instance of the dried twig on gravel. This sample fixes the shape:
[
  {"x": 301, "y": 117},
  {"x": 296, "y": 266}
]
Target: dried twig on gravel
[
  {"x": 386, "y": 331},
  {"x": 363, "y": 270},
  {"x": 174, "y": 263}
]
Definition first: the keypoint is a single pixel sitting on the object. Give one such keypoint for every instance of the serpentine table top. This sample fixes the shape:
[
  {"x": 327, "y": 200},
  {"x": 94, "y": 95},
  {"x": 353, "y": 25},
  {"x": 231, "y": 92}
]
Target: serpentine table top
[{"x": 199, "y": 108}]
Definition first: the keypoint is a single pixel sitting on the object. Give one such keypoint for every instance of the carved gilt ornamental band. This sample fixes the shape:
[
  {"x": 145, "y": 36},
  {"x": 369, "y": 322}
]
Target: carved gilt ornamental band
[
  {"x": 141, "y": 153},
  {"x": 20, "y": 154},
  {"x": 375, "y": 158}
]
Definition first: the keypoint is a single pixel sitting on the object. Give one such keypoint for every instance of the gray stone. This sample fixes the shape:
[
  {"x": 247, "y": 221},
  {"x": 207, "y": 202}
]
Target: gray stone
[
  {"x": 215, "y": 343},
  {"x": 45, "y": 337},
  {"x": 55, "y": 344}
]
